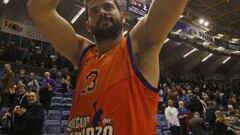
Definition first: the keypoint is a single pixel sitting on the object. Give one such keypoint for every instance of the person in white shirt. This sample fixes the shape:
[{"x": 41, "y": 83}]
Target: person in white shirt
[{"x": 171, "y": 114}]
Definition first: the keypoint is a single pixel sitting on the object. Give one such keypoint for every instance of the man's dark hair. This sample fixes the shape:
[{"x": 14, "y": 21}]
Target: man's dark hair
[{"x": 86, "y": 1}]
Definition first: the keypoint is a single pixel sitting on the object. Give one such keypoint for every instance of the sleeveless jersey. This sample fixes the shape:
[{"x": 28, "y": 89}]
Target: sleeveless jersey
[{"x": 112, "y": 97}]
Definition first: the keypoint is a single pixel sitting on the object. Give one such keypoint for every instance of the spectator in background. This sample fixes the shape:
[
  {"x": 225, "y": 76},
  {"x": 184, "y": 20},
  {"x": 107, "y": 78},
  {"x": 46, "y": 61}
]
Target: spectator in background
[
  {"x": 231, "y": 111},
  {"x": 221, "y": 125},
  {"x": 8, "y": 85},
  {"x": 185, "y": 98},
  {"x": 46, "y": 90},
  {"x": 33, "y": 84},
  {"x": 18, "y": 98},
  {"x": 22, "y": 77},
  {"x": 195, "y": 105},
  {"x": 189, "y": 93},
  {"x": 210, "y": 114},
  {"x": 171, "y": 114},
  {"x": 197, "y": 125},
  {"x": 65, "y": 83},
  {"x": 30, "y": 117},
  {"x": 183, "y": 117}
]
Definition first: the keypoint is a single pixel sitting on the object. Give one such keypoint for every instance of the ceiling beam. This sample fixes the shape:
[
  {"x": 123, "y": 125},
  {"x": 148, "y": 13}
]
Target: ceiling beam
[{"x": 212, "y": 6}]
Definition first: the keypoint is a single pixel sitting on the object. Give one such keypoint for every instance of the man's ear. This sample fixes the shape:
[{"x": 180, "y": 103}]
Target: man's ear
[
  {"x": 123, "y": 17},
  {"x": 88, "y": 26}
]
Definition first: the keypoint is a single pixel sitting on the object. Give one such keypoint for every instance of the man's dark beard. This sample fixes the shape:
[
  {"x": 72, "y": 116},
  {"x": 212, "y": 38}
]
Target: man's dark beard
[{"x": 109, "y": 33}]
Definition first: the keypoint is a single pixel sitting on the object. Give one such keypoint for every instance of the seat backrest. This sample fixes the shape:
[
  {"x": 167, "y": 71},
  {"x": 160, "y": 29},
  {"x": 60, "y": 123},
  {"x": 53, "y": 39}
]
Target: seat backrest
[
  {"x": 54, "y": 129},
  {"x": 56, "y": 106},
  {"x": 57, "y": 100},
  {"x": 54, "y": 114},
  {"x": 67, "y": 100},
  {"x": 64, "y": 126}
]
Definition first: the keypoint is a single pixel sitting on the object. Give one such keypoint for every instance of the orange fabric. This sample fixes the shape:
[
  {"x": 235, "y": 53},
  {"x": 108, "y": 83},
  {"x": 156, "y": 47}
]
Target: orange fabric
[{"x": 110, "y": 99}]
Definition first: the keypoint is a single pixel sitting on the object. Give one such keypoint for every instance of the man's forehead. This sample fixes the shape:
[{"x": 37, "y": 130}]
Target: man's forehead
[
  {"x": 31, "y": 94},
  {"x": 96, "y": 2}
]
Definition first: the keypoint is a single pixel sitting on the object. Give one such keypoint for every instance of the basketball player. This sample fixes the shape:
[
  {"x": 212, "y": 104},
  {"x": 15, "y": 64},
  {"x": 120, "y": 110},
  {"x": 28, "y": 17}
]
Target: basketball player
[{"x": 116, "y": 91}]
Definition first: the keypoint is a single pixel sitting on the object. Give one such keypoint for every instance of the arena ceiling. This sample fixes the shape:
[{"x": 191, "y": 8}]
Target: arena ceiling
[{"x": 223, "y": 15}]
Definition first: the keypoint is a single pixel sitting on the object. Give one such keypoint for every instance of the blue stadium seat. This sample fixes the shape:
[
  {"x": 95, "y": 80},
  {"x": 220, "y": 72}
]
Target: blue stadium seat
[
  {"x": 64, "y": 126},
  {"x": 57, "y": 94},
  {"x": 54, "y": 114},
  {"x": 53, "y": 127},
  {"x": 69, "y": 94},
  {"x": 167, "y": 132},
  {"x": 56, "y": 106},
  {"x": 57, "y": 99},
  {"x": 67, "y": 100},
  {"x": 66, "y": 106},
  {"x": 45, "y": 115}
]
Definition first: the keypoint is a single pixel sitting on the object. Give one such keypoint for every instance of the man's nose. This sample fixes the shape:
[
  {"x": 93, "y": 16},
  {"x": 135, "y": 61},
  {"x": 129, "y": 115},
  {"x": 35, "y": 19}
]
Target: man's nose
[{"x": 102, "y": 12}]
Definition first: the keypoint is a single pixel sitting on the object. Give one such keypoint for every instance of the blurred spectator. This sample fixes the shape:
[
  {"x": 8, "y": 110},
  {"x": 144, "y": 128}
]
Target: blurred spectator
[
  {"x": 197, "y": 125},
  {"x": 18, "y": 98},
  {"x": 183, "y": 118},
  {"x": 9, "y": 79},
  {"x": 46, "y": 90},
  {"x": 231, "y": 111},
  {"x": 8, "y": 85},
  {"x": 22, "y": 76},
  {"x": 221, "y": 125},
  {"x": 33, "y": 84},
  {"x": 30, "y": 118},
  {"x": 196, "y": 105},
  {"x": 171, "y": 114},
  {"x": 210, "y": 114},
  {"x": 185, "y": 98},
  {"x": 65, "y": 83}
]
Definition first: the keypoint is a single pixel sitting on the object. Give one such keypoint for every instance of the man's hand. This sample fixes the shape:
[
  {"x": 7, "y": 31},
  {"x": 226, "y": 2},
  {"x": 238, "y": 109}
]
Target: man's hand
[
  {"x": 19, "y": 110},
  {"x": 37, "y": 6},
  {"x": 49, "y": 86}
]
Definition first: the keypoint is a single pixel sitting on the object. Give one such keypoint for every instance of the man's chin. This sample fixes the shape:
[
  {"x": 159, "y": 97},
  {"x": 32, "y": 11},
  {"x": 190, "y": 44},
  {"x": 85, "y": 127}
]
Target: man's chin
[{"x": 105, "y": 27}]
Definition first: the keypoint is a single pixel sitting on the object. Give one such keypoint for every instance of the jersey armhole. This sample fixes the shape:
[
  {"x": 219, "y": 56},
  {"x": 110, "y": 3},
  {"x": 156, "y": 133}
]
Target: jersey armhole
[
  {"x": 84, "y": 52},
  {"x": 136, "y": 69}
]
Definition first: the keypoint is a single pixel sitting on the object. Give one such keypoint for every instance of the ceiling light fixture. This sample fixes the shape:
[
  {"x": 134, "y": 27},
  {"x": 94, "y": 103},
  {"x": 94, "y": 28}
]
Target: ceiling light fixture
[
  {"x": 74, "y": 19},
  {"x": 5, "y": 2},
  {"x": 206, "y": 58},
  {"x": 206, "y": 24},
  {"x": 226, "y": 60},
  {"x": 166, "y": 40},
  {"x": 190, "y": 52},
  {"x": 201, "y": 21}
]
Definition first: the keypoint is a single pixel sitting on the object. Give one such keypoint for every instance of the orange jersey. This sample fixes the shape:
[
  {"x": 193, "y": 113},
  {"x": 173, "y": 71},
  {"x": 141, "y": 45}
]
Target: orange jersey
[{"x": 112, "y": 97}]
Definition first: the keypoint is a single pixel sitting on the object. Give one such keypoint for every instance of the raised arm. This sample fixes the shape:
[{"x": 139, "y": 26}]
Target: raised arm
[
  {"x": 56, "y": 29},
  {"x": 149, "y": 34}
]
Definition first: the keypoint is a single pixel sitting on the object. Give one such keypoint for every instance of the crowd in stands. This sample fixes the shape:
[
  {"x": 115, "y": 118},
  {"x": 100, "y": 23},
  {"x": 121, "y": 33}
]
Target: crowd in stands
[
  {"x": 34, "y": 56},
  {"x": 42, "y": 102},
  {"x": 198, "y": 108},
  {"x": 28, "y": 100}
]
